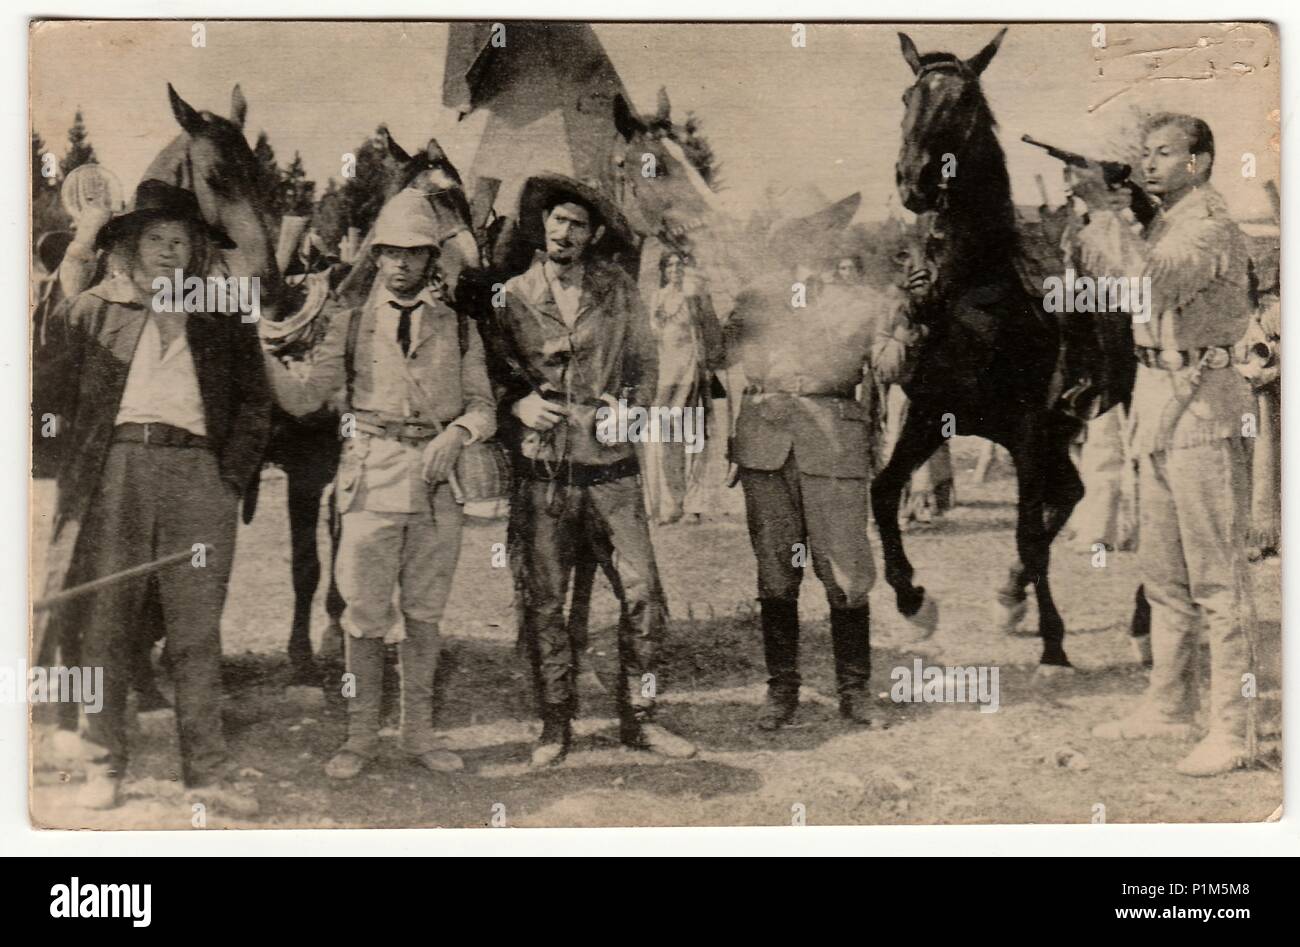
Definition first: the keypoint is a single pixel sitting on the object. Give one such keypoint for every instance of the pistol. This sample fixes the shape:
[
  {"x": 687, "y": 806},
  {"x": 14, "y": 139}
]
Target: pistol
[{"x": 1115, "y": 173}]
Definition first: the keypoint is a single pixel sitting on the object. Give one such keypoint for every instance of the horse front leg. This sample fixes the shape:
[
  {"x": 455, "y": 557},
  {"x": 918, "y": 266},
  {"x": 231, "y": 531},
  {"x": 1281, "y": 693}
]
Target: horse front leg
[
  {"x": 304, "y": 493},
  {"x": 331, "y": 647},
  {"x": 1032, "y": 543},
  {"x": 920, "y": 437},
  {"x": 1062, "y": 491}
]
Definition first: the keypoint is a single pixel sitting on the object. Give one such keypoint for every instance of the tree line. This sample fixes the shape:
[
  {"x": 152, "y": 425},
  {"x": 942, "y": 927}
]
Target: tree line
[{"x": 285, "y": 189}]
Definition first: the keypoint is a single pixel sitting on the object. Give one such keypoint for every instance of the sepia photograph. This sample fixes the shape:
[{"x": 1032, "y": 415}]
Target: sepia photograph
[{"x": 565, "y": 424}]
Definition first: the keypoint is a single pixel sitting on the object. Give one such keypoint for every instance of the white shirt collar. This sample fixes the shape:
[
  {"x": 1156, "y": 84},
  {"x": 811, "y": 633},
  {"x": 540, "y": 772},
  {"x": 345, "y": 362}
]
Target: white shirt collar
[{"x": 385, "y": 296}]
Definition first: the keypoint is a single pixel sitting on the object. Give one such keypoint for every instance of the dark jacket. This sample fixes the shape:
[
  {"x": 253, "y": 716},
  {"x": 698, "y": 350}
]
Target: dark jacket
[
  {"x": 90, "y": 342},
  {"x": 609, "y": 350}
]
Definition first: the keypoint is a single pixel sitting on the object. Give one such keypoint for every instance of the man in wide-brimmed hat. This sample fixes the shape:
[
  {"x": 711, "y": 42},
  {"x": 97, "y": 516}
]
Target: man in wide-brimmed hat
[
  {"x": 166, "y": 416},
  {"x": 803, "y": 445},
  {"x": 417, "y": 392},
  {"x": 577, "y": 338}
]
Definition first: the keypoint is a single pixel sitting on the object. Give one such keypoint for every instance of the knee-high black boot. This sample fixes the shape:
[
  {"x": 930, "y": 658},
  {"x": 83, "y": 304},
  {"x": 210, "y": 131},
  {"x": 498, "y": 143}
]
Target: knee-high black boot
[
  {"x": 851, "y": 644},
  {"x": 780, "y": 622}
]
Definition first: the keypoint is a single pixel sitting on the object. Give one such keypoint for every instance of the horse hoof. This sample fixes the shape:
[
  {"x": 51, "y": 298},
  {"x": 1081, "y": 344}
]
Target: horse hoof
[
  {"x": 926, "y": 618},
  {"x": 1007, "y": 618},
  {"x": 331, "y": 644}
]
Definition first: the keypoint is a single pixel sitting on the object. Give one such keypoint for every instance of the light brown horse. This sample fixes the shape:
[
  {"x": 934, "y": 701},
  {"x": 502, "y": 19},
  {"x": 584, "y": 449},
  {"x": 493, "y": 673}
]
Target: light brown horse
[{"x": 211, "y": 158}]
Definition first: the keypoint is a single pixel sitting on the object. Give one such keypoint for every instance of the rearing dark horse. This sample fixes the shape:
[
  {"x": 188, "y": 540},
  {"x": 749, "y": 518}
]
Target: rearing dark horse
[{"x": 988, "y": 364}]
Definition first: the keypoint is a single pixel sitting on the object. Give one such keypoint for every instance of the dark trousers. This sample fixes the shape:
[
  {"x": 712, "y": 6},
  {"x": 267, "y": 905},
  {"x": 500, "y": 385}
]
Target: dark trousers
[
  {"x": 551, "y": 525},
  {"x": 795, "y": 518},
  {"x": 154, "y": 501}
]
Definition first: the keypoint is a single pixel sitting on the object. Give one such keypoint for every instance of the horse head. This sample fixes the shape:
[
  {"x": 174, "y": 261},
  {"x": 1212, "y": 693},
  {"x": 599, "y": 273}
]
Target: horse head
[
  {"x": 659, "y": 190},
  {"x": 212, "y": 159},
  {"x": 946, "y": 116}
]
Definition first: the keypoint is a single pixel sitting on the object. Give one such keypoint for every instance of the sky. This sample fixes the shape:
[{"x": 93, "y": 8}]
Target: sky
[{"x": 827, "y": 113}]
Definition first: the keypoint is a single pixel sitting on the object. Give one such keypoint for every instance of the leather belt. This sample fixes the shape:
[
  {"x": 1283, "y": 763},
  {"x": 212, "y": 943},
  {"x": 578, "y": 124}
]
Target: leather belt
[
  {"x": 834, "y": 393},
  {"x": 397, "y": 429},
  {"x": 157, "y": 434},
  {"x": 1172, "y": 360},
  {"x": 576, "y": 474}
]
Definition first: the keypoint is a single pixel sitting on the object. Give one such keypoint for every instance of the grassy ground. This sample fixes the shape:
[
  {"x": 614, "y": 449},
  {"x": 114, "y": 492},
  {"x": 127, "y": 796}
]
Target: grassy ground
[{"x": 1031, "y": 761}]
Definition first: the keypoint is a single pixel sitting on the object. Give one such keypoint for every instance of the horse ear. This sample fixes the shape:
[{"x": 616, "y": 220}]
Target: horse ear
[
  {"x": 626, "y": 123},
  {"x": 663, "y": 113},
  {"x": 396, "y": 151},
  {"x": 438, "y": 160},
  {"x": 433, "y": 151},
  {"x": 238, "y": 106},
  {"x": 909, "y": 52},
  {"x": 186, "y": 117},
  {"x": 980, "y": 60}
]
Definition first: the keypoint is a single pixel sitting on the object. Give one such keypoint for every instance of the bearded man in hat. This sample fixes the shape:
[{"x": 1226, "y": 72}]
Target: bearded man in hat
[
  {"x": 417, "y": 391},
  {"x": 803, "y": 448},
  {"x": 578, "y": 338},
  {"x": 166, "y": 416}
]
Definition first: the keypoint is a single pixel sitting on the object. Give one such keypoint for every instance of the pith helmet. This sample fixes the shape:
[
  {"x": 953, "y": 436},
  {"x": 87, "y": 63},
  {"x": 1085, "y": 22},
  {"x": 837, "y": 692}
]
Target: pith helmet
[{"x": 406, "y": 221}]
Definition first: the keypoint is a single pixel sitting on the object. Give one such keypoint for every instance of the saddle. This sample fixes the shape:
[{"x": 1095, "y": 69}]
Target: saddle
[
  {"x": 293, "y": 338},
  {"x": 1095, "y": 369}
]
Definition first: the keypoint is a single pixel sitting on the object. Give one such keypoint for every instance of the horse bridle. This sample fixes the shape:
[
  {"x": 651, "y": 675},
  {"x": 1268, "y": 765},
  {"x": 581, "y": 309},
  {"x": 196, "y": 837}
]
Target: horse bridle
[{"x": 968, "y": 132}]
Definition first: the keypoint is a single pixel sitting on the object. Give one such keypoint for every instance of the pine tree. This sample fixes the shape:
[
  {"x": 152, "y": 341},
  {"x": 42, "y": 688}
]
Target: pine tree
[
  {"x": 40, "y": 183},
  {"x": 363, "y": 194},
  {"x": 297, "y": 193},
  {"x": 80, "y": 151},
  {"x": 268, "y": 176},
  {"x": 47, "y": 212},
  {"x": 328, "y": 218},
  {"x": 699, "y": 152}
]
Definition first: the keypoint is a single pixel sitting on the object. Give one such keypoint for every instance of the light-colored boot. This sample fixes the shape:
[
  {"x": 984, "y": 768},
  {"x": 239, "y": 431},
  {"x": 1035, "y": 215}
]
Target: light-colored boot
[
  {"x": 366, "y": 664},
  {"x": 1145, "y": 723},
  {"x": 1227, "y": 746},
  {"x": 1170, "y": 703},
  {"x": 419, "y": 653},
  {"x": 1219, "y": 752},
  {"x": 102, "y": 789}
]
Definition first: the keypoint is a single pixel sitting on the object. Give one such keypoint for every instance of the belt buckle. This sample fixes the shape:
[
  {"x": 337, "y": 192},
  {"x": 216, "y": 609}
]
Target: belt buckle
[
  {"x": 1171, "y": 359},
  {"x": 1217, "y": 357},
  {"x": 147, "y": 429}
]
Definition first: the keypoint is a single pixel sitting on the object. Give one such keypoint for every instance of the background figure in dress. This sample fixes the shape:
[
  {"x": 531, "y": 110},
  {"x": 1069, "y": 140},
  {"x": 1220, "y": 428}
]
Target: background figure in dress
[{"x": 689, "y": 338}]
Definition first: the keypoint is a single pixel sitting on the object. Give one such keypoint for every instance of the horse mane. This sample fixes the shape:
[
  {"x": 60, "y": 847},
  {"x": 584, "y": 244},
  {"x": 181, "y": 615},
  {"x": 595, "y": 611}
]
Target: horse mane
[{"x": 981, "y": 212}]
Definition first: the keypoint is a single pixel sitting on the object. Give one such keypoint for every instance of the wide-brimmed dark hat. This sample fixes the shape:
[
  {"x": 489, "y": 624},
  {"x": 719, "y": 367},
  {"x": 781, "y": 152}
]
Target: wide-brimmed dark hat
[
  {"x": 158, "y": 200},
  {"x": 546, "y": 190}
]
